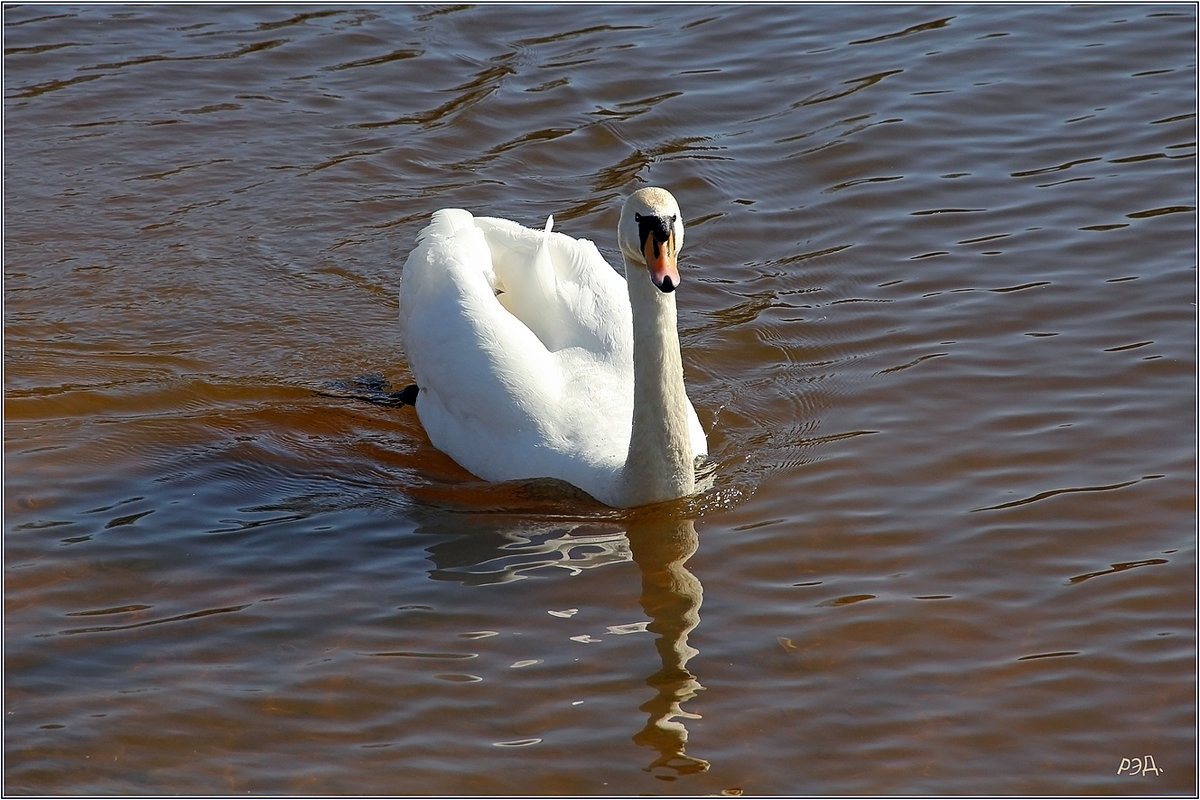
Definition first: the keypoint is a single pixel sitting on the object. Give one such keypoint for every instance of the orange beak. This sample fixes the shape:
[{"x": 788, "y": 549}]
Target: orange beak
[{"x": 660, "y": 260}]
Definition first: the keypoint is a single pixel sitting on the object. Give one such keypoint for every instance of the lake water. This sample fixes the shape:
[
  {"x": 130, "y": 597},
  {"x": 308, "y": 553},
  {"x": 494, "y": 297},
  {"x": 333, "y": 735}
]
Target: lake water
[{"x": 938, "y": 316}]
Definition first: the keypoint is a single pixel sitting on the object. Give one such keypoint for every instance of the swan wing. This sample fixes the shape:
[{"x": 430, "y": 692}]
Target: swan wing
[
  {"x": 488, "y": 385},
  {"x": 590, "y": 303},
  {"x": 493, "y": 395}
]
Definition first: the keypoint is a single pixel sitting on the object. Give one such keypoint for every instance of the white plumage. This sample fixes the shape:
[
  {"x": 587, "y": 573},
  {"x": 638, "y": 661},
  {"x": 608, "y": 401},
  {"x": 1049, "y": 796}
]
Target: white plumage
[{"x": 522, "y": 343}]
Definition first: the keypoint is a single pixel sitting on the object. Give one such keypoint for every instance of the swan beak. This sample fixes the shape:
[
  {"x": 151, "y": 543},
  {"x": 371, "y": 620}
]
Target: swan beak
[{"x": 660, "y": 260}]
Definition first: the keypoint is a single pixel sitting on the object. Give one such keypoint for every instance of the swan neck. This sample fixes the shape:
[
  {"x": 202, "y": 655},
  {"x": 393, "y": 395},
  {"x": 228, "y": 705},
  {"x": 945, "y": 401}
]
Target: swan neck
[{"x": 660, "y": 463}]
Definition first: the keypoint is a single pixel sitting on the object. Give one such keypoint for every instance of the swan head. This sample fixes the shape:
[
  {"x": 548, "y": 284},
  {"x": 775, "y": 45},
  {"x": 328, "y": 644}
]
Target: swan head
[{"x": 651, "y": 234}]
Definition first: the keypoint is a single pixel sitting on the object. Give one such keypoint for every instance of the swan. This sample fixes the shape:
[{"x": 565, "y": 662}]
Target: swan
[{"x": 533, "y": 358}]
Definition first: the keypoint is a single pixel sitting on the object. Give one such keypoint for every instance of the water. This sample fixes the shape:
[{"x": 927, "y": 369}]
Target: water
[{"x": 938, "y": 315}]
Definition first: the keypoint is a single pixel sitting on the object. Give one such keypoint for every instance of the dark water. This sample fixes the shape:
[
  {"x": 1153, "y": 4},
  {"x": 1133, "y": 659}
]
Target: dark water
[{"x": 938, "y": 315}]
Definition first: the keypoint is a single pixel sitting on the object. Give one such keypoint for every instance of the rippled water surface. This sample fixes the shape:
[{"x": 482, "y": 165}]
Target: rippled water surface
[{"x": 938, "y": 317}]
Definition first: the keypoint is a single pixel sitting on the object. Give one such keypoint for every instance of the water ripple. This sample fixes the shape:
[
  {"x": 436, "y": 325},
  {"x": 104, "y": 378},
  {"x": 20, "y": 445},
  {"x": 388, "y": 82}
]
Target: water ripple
[
  {"x": 208, "y": 612},
  {"x": 1056, "y": 492}
]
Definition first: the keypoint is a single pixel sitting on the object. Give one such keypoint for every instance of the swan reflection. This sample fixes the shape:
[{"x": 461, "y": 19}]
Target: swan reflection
[
  {"x": 671, "y": 597},
  {"x": 483, "y": 552}
]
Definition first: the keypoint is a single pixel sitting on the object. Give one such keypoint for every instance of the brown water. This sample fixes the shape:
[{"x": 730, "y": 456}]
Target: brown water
[{"x": 938, "y": 315}]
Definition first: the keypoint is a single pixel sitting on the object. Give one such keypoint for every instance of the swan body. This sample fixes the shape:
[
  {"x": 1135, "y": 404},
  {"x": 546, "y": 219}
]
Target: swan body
[{"x": 535, "y": 359}]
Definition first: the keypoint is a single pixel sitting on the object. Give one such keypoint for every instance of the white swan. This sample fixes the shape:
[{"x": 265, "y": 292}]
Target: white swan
[{"x": 536, "y": 360}]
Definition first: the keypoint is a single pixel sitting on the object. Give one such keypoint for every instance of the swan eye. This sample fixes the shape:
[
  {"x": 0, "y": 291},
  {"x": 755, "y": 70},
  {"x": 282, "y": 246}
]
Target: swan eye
[{"x": 658, "y": 227}]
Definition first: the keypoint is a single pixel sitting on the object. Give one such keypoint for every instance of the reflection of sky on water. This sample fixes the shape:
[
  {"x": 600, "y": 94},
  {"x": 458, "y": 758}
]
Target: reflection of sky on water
[{"x": 498, "y": 555}]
